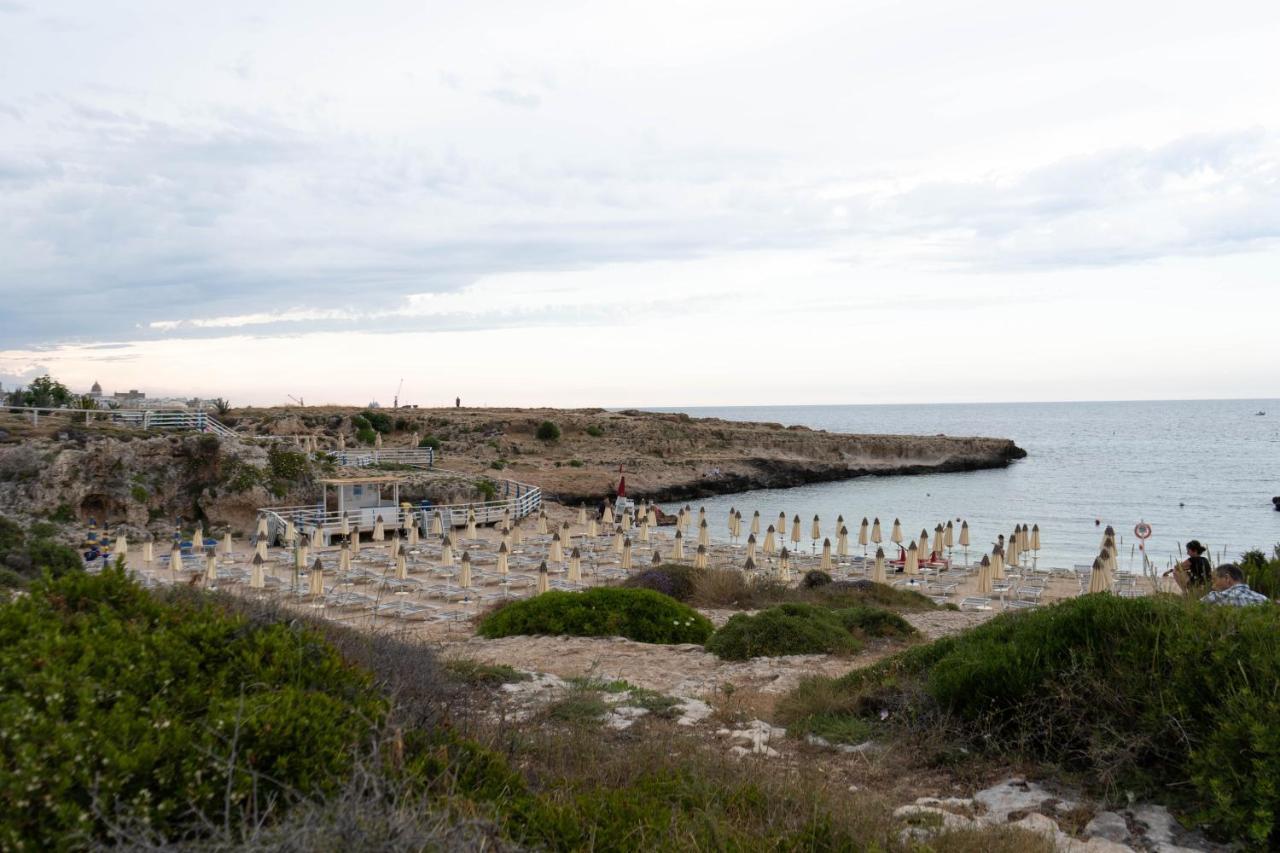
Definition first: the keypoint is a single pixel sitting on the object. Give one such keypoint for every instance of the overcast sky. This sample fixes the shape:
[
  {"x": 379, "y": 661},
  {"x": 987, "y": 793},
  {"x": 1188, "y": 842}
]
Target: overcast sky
[{"x": 668, "y": 203}]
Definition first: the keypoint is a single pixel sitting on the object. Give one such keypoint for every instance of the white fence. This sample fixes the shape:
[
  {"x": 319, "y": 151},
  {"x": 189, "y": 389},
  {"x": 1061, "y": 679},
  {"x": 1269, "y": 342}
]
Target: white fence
[
  {"x": 159, "y": 419},
  {"x": 393, "y": 455}
]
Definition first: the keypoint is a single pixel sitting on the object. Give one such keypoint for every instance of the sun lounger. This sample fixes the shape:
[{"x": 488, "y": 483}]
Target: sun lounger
[{"x": 975, "y": 603}]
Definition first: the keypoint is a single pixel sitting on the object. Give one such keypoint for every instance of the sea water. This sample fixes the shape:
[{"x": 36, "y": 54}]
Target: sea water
[{"x": 1202, "y": 470}]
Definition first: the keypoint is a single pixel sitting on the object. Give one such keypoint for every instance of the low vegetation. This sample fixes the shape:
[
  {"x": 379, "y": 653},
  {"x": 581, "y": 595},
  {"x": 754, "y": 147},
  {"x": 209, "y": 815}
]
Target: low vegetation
[
  {"x": 28, "y": 554},
  {"x": 548, "y": 431},
  {"x": 1158, "y": 697},
  {"x": 801, "y": 629},
  {"x": 735, "y": 589},
  {"x": 1261, "y": 572},
  {"x": 637, "y": 614}
]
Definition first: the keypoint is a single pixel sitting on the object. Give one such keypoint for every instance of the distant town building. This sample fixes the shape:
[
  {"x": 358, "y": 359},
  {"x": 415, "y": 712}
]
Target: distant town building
[{"x": 135, "y": 399}]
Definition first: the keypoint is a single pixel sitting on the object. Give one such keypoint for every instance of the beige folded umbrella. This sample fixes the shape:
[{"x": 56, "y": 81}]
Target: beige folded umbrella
[
  {"x": 197, "y": 538},
  {"x": 260, "y": 548},
  {"x": 864, "y": 534},
  {"x": 795, "y": 531},
  {"x": 315, "y": 581},
  {"x": 396, "y": 546},
  {"x": 876, "y": 536},
  {"x": 262, "y": 526},
  {"x": 784, "y": 565},
  {"x": 257, "y": 577},
  {"x": 825, "y": 565},
  {"x": 592, "y": 530},
  {"x": 677, "y": 548},
  {"x": 626, "y": 553},
  {"x": 446, "y": 552},
  {"x": 377, "y": 440},
  {"x": 300, "y": 554},
  {"x": 582, "y": 515},
  {"x": 1024, "y": 539},
  {"x": 344, "y": 525},
  {"x": 556, "y": 553},
  {"x": 402, "y": 567},
  {"x": 749, "y": 565},
  {"x": 617, "y": 541},
  {"x": 413, "y": 533},
  {"x": 290, "y": 532},
  {"x": 815, "y": 530},
  {"x": 733, "y": 520},
  {"x": 984, "y": 576},
  {"x": 737, "y": 525},
  {"x": 839, "y": 523},
  {"x": 175, "y": 557},
  {"x": 344, "y": 558},
  {"x": 912, "y": 563},
  {"x": 770, "y": 545},
  {"x": 1098, "y": 580},
  {"x": 997, "y": 563},
  {"x": 700, "y": 558},
  {"x": 781, "y": 527},
  {"x": 607, "y": 518},
  {"x": 922, "y": 549},
  {"x": 755, "y": 523},
  {"x": 464, "y": 573},
  {"x": 878, "y": 572},
  {"x": 342, "y": 441},
  {"x": 704, "y": 534},
  {"x": 651, "y": 516},
  {"x": 842, "y": 541},
  {"x": 517, "y": 533},
  {"x": 228, "y": 546},
  {"x": 575, "y": 566},
  {"x": 379, "y": 529},
  {"x": 437, "y": 524},
  {"x": 948, "y": 536},
  {"x": 644, "y": 532},
  {"x": 964, "y": 540},
  {"x": 148, "y": 550},
  {"x": 542, "y": 523},
  {"x": 122, "y": 545},
  {"x": 1012, "y": 555},
  {"x": 1035, "y": 537},
  {"x": 702, "y": 514},
  {"x": 471, "y": 526},
  {"x": 210, "y": 566},
  {"x": 544, "y": 581},
  {"x": 751, "y": 546},
  {"x": 628, "y": 520},
  {"x": 939, "y": 540},
  {"x": 896, "y": 535},
  {"x": 355, "y": 544},
  {"x": 503, "y": 566}
]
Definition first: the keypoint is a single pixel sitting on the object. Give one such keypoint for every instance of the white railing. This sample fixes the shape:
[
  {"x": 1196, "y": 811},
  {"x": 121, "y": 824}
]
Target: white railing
[
  {"x": 159, "y": 419},
  {"x": 392, "y": 455},
  {"x": 521, "y": 500}
]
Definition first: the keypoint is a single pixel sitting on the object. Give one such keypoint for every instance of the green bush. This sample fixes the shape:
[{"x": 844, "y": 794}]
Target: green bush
[
  {"x": 1262, "y": 574},
  {"x": 139, "y": 494},
  {"x": 430, "y": 441},
  {"x": 548, "y": 431},
  {"x": 874, "y": 622},
  {"x": 1156, "y": 695},
  {"x": 366, "y": 435},
  {"x": 26, "y": 555},
  {"x": 378, "y": 421},
  {"x": 637, "y": 614},
  {"x": 594, "y": 431},
  {"x": 789, "y": 629},
  {"x": 113, "y": 700}
]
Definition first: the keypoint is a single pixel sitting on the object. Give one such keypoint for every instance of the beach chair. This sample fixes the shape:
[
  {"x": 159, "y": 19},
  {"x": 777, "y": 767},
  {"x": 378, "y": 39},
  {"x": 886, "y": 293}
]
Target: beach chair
[
  {"x": 976, "y": 603},
  {"x": 1020, "y": 604}
]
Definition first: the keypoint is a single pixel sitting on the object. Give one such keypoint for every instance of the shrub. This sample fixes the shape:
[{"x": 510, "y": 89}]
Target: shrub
[
  {"x": 669, "y": 579},
  {"x": 115, "y": 699},
  {"x": 27, "y": 555},
  {"x": 487, "y": 489},
  {"x": 1147, "y": 695},
  {"x": 378, "y": 421},
  {"x": 548, "y": 431},
  {"x": 789, "y": 629},
  {"x": 732, "y": 588},
  {"x": 1262, "y": 574},
  {"x": 815, "y": 578},
  {"x": 874, "y": 622},
  {"x": 366, "y": 435},
  {"x": 594, "y": 431},
  {"x": 576, "y": 463},
  {"x": 139, "y": 494},
  {"x": 637, "y": 614},
  {"x": 430, "y": 441}
]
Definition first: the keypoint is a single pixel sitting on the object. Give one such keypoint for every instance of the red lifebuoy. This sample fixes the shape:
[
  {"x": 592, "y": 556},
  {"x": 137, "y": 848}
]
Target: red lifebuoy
[{"x": 1142, "y": 530}]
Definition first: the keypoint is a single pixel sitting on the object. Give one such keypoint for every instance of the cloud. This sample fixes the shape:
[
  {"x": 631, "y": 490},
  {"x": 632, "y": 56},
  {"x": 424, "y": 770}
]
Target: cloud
[{"x": 513, "y": 98}]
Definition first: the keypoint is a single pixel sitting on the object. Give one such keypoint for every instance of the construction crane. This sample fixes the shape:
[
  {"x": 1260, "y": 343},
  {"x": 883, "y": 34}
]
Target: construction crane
[
  {"x": 395, "y": 403},
  {"x": 297, "y": 400}
]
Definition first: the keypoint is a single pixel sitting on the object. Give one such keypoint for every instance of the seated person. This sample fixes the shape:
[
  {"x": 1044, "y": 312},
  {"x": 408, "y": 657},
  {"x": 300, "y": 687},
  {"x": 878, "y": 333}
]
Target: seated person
[
  {"x": 1192, "y": 574},
  {"x": 1229, "y": 588}
]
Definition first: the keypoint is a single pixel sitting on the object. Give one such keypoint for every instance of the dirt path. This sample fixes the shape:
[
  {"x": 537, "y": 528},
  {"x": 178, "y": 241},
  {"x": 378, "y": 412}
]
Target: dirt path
[{"x": 685, "y": 670}]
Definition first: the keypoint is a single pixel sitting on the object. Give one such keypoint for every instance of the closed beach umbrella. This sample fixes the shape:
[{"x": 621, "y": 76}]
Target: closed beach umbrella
[
  {"x": 342, "y": 441},
  {"x": 260, "y": 548},
  {"x": 227, "y": 544},
  {"x": 1012, "y": 556},
  {"x": 876, "y": 536},
  {"x": 651, "y": 516},
  {"x": 592, "y": 530},
  {"x": 517, "y": 533},
  {"x": 815, "y": 529},
  {"x": 257, "y": 578},
  {"x": 896, "y": 535},
  {"x": 344, "y": 558},
  {"x": 657, "y": 559},
  {"x": 755, "y": 523},
  {"x": 197, "y": 538},
  {"x": 782, "y": 527},
  {"x": 437, "y": 524},
  {"x": 503, "y": 566},
  {"x": 702, "y": 515},
  {"x": 700, "y": 557},
  {"x": 582, "y": 515},
  {"x": 148, "y": 550},
  {"x": 733, "y": 520},
  {"x": 677, "y": 551},
  {"x": 949, "y": 535},
  {"x": 737, "y": 524},
  {"x": 922, "y": 549},
  {"x": 210, "y": 566},
  {"x": 315, "y": 582},
  {"x": 704, "y": 534},
  {"x": 300, "y": 554},
  {"x": 122, "y": 545},
  {"x": 984, "y": 576},
  {"x": 175, "y": 556},
  {"x": 997, "y": 563},
  {"x": 446, "y": 552},
  {"x": 377, "y": 440},
  {"x": 825, "y": 565},
  {"x": 1035, "y": 537},
  {"x": 749, "y": 565},
  {"x": 262, "y": 526},
  {"x": 379, "y": 529},
  {"x": 878, "y": 572},
  {"x": 842, "y": 542},
  {"x": 770, "y": 545},
  {"x": 1024, "y": 539},
  {"x": 506, "y": 537},
  {"x": 289, "y": 532},
  {"x": 795, "y": 530},
  {"x": 344, "y": 525},
  {"x": 1098, "y": 580},
  {"x": 557, "y": 550},
  {"x": 839, "y": 523},
  {"x": 626, "y": 553},
  {"x": 938, "y": 544},
  {"x": 751, "y": 546},
  {"x": 464, "y": 574},
  {"x": 544, "y": 581},
  {"x": 355, "y": 543},
  {"x": 575, "y": 566},
  {"x": 784, "y": 565},
  {"x": 864, "y": 534},
  {"x": 964, "y": 534},
  {"x": 617, "y": 542},
  {"x": 471, "y": 525},
  {"x": 607, "y": 517},
  {"x": 402, "y": 567},
  {"x": 644, "y": 532},
  {"x": 396, "y": 547},
  {"x": 542, "y": 524},
  {"x": 413, "y": 532},
  {"x": 911, "y": 566}
]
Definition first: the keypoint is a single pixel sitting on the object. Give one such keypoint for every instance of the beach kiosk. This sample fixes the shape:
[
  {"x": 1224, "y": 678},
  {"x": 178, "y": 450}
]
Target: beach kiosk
[{"x": 361, "y": 500}]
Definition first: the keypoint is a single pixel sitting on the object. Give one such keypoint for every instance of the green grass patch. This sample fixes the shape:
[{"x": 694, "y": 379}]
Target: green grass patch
[
  {"x": 484, "y": 674},
  {"x": 789, "y": 629},
  {"x": 637, "y": 614}
]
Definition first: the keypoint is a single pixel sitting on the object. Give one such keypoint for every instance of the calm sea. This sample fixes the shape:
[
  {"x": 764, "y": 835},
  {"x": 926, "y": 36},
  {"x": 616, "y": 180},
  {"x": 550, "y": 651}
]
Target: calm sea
[{"x": 1202, "y": 470}]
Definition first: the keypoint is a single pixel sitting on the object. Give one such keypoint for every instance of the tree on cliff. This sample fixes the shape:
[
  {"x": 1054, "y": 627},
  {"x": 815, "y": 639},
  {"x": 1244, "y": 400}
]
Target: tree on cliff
[{"x": 44, "y": 391}]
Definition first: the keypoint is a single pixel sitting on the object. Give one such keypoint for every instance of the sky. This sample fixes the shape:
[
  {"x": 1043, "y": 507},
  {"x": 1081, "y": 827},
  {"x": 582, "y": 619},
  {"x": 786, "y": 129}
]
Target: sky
[{"x": 674, "y": 203}]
